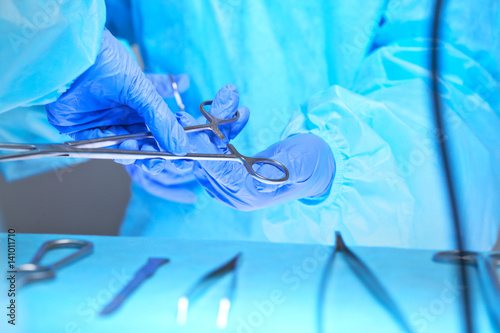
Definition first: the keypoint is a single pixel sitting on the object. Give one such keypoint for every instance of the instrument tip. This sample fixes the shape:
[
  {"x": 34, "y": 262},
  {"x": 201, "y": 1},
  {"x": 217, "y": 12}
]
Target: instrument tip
[
  {"x": 224, "y": 306},
  {"x": 182, "y": 308}
]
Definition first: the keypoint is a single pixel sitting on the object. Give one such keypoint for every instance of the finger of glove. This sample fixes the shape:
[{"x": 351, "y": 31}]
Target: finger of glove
[
  {"x": 226, "y": 174},
  {"x": 178, "y": 166},
  {"x": 300, "y": 155},
  {"x": 99, "y": 132},
  {"x": 182, "y": 193},
  {"x": 103, "y": 132},
  {"x": 167, "y": 178},
  {"x": 224, "y": 106},
  {"x": 108, "y": 132},
  {"x": 182, "y": 165},
  {"x": 198, "y": 141},
  {"x": 127, "y": 145},
  {"x": 163, "y": 84},
  {"x": 236, "y": 127},
  {"x": 184, "y": 119},
  {"x": 117, "y": 130},
  {"x": 169, "y": 134},
  {"x": 151, "y": 165},
  {"x": 269, "y": 171}
]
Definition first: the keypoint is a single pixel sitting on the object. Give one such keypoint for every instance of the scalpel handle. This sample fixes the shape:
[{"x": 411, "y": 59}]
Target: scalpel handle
[{"x": 145, "y": 272}]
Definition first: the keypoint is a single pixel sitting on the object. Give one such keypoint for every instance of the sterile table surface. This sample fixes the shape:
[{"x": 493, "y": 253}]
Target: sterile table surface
[{"x": 277, "y": 289}]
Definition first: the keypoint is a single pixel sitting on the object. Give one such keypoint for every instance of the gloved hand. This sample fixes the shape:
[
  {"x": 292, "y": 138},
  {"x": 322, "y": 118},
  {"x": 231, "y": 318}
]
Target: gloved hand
[
  {"x": 308, "y": 159},
  {"x": 114, "y": 97},
  {"x": 171, "y": 183},
  {"x": 178, "y": 185}
]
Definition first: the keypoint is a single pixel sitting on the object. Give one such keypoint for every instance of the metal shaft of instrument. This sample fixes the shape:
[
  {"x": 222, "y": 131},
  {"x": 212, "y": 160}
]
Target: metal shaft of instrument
[
  {"x": 102, "y": 154},
  {"x": 116, "y": 140},
  {"x": 107, "y": 154},
  {"x": 16, "y": 147},
  {"x": 177, "y": 96},
  {"x": 67, "y": 150}
]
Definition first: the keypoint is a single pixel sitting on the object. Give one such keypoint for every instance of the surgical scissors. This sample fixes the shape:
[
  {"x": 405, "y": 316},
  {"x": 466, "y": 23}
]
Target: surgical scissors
[
  {"x": 485, "y": 264},
  {"x": 34, "y": 271},
  {"x": 95, "y": 149}
]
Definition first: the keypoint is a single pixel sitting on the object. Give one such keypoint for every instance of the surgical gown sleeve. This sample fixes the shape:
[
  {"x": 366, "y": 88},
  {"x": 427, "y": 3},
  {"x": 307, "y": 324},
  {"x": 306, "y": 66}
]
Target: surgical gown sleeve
[
  {"x": 388, "y": 188},
  {"x": 45, "y": 46}
]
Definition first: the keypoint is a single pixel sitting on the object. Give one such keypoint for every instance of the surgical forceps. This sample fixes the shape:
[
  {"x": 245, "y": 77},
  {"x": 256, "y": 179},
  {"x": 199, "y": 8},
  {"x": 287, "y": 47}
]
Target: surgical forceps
[
  {"x": 205, "y": 283},
  {"x": 485, "y": 264},
  {"x": 366, "y": 276},
  {"x": 34, "y": 271},
  {"x": 95, "y": 149}
]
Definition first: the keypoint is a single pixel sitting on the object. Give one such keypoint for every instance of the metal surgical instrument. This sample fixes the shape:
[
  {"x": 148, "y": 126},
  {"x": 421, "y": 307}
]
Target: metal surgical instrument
[
  {"x": 95, "y": 149},
  {"x": 367, "y": 278},
  {"x": 142, "y": 274},
  {"x": 177, "y": 96},
  {"x": 485, "y": 264},
  {"x": 34, "y": 271},
  {"x": 204, "y": 284}
]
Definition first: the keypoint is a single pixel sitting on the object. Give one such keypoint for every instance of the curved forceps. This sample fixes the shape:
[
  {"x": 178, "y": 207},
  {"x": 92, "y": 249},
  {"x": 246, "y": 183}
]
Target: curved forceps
[
  {"x": 485, "y": 264},
  {"x": 206, "y": 282},
  {"x": 33, "y": 271},
  {"x": 366, "y": 277},
  {"x": 95, "y": 149}
]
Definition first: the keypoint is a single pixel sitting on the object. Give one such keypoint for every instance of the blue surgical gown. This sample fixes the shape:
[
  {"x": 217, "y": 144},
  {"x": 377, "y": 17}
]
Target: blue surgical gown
[
  {"x": 356, "y": 74},
  {"x": 46, "y": 45}
]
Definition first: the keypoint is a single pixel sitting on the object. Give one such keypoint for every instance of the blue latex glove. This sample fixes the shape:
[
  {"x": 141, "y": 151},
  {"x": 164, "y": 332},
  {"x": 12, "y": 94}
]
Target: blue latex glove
[
  {"x": 308, "y": 158},
  {"x": 178, "y": 185},
  {"x": 114, "y": 97}
]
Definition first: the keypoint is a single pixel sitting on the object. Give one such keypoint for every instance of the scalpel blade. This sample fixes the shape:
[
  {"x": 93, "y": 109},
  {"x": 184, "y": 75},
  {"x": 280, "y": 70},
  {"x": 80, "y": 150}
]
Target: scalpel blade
[{"x": 145, "y": 272}]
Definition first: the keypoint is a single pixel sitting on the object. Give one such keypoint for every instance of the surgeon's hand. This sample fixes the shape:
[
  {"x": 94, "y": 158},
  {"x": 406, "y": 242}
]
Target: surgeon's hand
[
  {"x": 172, "y": 183},
  {"x": 176, "y": 181},
  {"x": 114, "y": 97},
  {"x": 308, "y": 158}
]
